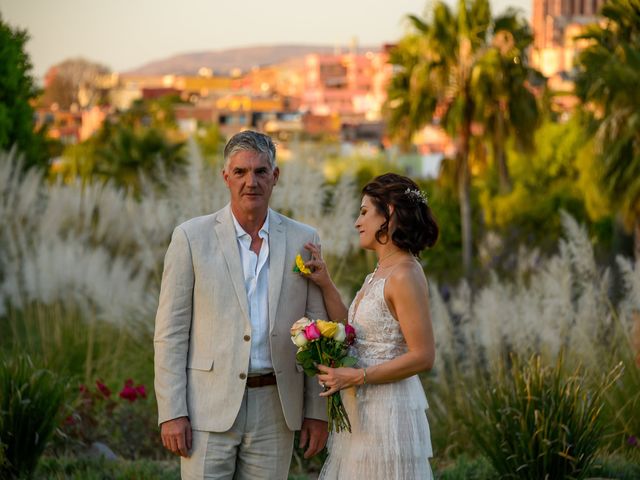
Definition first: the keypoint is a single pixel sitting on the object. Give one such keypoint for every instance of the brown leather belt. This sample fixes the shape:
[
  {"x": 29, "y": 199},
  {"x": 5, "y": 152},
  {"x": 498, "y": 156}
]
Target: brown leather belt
[{"x": 261, "y": 380}]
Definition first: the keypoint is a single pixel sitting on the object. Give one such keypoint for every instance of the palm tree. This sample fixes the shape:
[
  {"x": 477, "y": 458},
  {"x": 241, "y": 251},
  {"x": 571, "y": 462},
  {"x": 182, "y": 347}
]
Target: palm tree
[
  {"x": 439, "y": 69},
  {"x": 505, "y": 104},
  {"x": 125, "y": 154},
  {"x": 607, "y": 79}
]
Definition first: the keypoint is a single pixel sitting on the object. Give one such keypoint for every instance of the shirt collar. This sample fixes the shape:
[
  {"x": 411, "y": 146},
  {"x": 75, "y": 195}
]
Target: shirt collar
[{"x": 240, "y": 232}]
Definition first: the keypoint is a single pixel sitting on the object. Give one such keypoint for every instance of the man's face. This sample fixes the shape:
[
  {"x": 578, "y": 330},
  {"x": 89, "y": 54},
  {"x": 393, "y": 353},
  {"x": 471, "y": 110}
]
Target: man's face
[{"x": 250, "y": 179}]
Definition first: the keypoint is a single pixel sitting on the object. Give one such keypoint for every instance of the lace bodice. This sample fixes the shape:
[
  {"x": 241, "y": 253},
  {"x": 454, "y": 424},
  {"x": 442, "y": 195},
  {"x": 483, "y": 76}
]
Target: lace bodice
[{"x": 378, "y": 334}]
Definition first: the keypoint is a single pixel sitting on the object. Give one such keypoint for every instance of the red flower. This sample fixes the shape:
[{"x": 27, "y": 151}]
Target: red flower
[
  {"x": 129, "y": 393},
  {"x": 128, "y": 382},
  {"x": 104, "y": 390},
  {"x": 351, "y": 334},
  {"x": 141, "y": 391}
]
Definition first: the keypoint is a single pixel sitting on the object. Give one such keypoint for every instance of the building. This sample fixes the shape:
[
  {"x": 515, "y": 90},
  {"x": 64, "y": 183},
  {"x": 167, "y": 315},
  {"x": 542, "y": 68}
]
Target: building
[
  {"x": 350, "y": 85},
  {"x": 556, "y": 23}
]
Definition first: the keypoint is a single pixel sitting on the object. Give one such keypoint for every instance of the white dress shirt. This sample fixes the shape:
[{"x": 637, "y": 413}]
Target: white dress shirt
[{"x": 255, "y": 269}]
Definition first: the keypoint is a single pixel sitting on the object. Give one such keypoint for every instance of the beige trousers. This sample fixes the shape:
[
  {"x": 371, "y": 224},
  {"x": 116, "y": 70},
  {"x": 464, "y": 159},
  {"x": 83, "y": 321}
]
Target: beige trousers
[{"x": 258, "y": 445}]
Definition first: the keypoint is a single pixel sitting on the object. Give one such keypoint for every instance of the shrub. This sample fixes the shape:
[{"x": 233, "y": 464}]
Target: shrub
[
  {"x": 31, "y": 401},
  {"x": 125, "y": 421},
  {"x": 537, "y": 421}
]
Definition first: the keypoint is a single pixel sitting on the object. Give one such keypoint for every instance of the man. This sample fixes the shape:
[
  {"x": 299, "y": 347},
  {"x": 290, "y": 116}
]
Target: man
[{"x": 229, "y": 393}]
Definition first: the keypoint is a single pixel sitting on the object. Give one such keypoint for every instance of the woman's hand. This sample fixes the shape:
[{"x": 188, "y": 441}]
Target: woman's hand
[
  {"x": 333, "y": 380},
  {"x": 319, "y": 273},
  {"x": 336, "y": 309}
]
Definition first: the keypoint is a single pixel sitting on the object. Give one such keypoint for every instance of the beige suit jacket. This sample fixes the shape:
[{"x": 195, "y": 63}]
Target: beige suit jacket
[{"x": 202, "y": 323}]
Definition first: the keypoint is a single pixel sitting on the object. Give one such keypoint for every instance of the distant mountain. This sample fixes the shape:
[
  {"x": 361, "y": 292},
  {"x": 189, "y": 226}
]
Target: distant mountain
[{"x": 223, "y": 61}]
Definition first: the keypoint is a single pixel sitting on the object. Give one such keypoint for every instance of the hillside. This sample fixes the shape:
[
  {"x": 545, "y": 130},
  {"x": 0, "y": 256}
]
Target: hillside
[{"x": 223, "y": 61}]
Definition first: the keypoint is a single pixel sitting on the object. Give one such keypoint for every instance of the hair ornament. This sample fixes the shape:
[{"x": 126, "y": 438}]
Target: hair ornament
[{"x": 416, "y": 195}]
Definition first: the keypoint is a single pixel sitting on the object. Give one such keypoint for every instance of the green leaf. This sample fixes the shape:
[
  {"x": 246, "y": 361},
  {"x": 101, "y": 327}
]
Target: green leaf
[
  {"x": 349, "y": 362},
  {"x": 310, "y": 372}
]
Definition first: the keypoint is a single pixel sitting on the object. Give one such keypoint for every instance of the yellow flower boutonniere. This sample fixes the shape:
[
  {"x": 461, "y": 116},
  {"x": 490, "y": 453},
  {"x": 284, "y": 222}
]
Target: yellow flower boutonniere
[{"x": 300, "y": 267}]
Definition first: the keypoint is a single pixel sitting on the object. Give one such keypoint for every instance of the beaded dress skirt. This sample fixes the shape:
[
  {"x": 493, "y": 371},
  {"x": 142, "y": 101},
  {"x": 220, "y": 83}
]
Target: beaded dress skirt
[{"x": 390, "y": 437}]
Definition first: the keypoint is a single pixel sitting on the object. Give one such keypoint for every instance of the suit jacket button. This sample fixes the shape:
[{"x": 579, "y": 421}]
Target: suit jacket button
[
  {"x": 243, "y": 376},
  {"x": 247, "y": 338}
]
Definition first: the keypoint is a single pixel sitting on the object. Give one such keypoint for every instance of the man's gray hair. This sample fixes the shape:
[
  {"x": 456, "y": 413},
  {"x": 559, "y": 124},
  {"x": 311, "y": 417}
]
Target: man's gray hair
[{"x": 253, "y": 142}]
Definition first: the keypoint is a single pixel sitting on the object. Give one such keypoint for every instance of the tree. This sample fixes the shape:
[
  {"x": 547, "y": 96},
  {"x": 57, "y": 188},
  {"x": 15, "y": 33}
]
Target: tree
[
  {"x": 607, "y": 79},
  {"x": 17, "y": 89},
  {"x": 436, "y": 67},
  {"x": 122, "y": 154},
  {"x": 74, "y": 81},
  {"x": 505, "y": 104}
]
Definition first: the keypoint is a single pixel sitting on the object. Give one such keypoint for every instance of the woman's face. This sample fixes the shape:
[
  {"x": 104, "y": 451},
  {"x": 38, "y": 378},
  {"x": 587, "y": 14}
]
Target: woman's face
[{"x": 368, "y": 223}]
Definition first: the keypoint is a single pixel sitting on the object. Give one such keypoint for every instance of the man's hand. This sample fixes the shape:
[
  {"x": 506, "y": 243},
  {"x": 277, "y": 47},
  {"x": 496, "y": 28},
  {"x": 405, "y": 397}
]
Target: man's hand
[
  {"x": 315, "y": 433},
  {"x": 176, "y": 435}
]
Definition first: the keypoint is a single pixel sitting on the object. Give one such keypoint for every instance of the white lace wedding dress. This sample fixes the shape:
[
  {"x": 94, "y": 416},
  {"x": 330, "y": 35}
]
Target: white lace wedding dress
[{"x": 390, "y": 437}]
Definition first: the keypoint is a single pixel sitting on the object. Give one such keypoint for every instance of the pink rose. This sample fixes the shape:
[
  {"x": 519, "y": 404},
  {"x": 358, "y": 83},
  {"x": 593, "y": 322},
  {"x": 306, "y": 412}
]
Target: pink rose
[
  {"x": 312, "y": 332},
  {"x": 350, "y": 333}
]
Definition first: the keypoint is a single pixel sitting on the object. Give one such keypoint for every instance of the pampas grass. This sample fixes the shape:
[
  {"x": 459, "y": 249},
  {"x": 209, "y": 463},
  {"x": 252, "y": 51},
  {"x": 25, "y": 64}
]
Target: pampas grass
[
  {"x": 556, "y": 304},
  {"x": 100, "y": 249},
  {"x": 562, "y": 303}
]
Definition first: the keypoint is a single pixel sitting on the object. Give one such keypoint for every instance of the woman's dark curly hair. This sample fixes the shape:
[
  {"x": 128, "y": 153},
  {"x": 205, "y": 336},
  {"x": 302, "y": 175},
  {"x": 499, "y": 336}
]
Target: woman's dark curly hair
[{"x": 415, "y": 226}]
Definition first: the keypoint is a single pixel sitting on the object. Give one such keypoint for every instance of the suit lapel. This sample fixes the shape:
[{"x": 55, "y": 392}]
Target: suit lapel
[
  {"x": 228, "y": 243},
  {"x": 277, "y": 250}
]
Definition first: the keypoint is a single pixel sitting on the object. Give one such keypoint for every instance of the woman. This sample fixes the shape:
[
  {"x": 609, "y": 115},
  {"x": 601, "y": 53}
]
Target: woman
[{"x": 384, "y": 397}]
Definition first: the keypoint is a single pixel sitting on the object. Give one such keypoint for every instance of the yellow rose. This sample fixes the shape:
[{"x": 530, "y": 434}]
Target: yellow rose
[
  {"x": 301, "y": 266},
  {"x": 327, "y": 329}
]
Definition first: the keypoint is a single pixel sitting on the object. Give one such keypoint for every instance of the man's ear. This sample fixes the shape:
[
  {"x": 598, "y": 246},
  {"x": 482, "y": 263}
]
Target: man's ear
[{"x": 276, "y": 175}]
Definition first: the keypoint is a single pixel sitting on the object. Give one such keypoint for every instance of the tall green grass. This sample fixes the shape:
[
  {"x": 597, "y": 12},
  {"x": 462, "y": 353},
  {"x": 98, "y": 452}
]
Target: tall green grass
[
  {"x": 31, "y": 402},
  {"x": 622, "y": 406},
  {"x": 538, "y": 421},
  {"x": 83, "y": 349},
  {"x": 68, "y": 342}
]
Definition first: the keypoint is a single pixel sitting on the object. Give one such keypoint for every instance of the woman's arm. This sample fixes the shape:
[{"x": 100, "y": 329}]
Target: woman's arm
[
  {"x": 407, "y": 295},
  {"x": 333, "y": 303}
]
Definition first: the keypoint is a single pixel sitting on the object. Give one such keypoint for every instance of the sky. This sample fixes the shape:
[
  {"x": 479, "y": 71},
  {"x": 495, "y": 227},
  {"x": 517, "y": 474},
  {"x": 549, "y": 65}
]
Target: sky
[{"x": 125, "y": 34}]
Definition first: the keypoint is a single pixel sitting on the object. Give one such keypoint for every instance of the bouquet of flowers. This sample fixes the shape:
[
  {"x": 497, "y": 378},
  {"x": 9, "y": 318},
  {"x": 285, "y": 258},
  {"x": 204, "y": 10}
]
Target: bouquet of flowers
[{"x": 327, "y": 343}]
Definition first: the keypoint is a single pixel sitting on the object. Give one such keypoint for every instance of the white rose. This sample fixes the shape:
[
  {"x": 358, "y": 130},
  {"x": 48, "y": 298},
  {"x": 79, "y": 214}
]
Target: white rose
[
  {"x": 340, "y": 334},
  {"x": 300, "y": 340}
]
